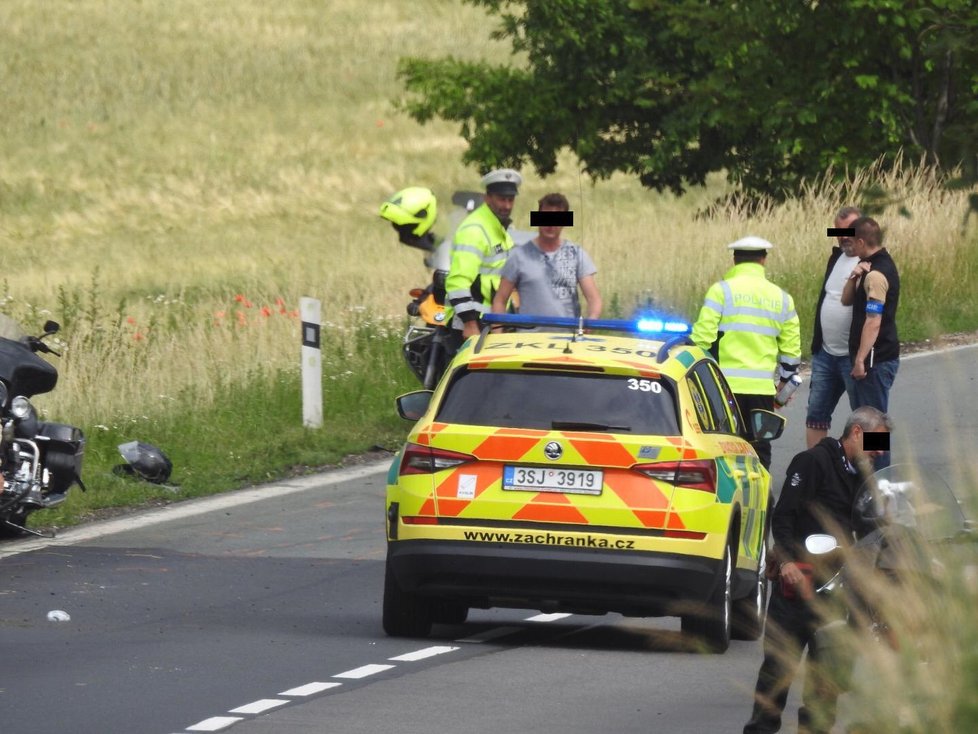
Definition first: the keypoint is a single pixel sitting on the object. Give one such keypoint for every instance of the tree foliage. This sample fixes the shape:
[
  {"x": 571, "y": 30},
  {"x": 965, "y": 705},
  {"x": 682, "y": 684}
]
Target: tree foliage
[{"x": 771, "y": 91}]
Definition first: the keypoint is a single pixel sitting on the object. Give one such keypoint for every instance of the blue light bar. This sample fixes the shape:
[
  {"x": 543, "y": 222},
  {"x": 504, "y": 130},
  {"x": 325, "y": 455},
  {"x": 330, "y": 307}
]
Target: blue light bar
[
  {"x": 661, "y": 326},
  {"x": 641, "y": 326}
]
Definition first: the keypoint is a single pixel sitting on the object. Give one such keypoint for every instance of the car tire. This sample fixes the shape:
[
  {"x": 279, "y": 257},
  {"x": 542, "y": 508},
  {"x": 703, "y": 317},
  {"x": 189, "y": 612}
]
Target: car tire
[
  {"x": 405, "y": 614},
  {"x": 445, "y": 611},
  {"x": 711, "y": 624},
  {"x": 749, "y": 613}
]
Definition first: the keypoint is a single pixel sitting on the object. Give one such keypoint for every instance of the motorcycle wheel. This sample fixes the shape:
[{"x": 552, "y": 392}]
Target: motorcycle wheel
[{"x": 433, "y": 367}]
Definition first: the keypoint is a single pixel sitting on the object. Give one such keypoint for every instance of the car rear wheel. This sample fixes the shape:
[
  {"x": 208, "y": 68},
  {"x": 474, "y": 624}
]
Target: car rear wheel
[
  {"x": 449, "y": 612},
  {"x": 405, "y": 614},
  {"x": 749, "y": 612},
  {"x": 712, "y": 622}
]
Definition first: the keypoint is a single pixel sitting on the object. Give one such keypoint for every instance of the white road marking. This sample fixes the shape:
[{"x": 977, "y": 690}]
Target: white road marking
[
  {"x": 931, "y": 353},
  {"x": 363, "y": 671},
  {"x": 490, "y": 634},
  {"x": 191, "y": 508},
  {"x": 309, "y": 689},
  {"x": 215, "y": 723},
  {"x": 547, "y": 617},
  {"x": 410, "y": 657},
  {"x": 257, "y": 707}
]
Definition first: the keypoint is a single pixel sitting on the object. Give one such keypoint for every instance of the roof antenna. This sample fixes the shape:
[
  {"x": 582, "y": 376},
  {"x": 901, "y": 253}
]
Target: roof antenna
[{"x": 575, "y": 335}]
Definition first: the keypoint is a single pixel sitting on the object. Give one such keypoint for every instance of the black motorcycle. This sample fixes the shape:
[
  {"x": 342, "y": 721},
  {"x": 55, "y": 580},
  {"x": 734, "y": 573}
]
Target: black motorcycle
[{"x": 39, "y": 461}]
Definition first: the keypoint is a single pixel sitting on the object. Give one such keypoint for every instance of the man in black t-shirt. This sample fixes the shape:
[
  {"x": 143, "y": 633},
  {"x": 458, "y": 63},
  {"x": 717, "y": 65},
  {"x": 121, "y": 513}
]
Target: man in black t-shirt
[{"x": 873, "y": 291}]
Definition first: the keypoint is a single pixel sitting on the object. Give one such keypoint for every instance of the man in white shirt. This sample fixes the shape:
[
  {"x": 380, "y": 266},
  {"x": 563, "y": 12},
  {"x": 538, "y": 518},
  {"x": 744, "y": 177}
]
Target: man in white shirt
[{"x": 831, "y": 364}]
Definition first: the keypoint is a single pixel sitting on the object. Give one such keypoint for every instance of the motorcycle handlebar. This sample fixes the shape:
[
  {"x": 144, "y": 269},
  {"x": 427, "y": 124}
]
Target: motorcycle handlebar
[{"x": 36, "y": 344}]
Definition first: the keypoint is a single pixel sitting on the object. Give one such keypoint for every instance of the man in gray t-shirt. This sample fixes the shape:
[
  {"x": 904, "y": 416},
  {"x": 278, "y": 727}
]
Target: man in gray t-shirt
[{"x": 546, "y": 273}]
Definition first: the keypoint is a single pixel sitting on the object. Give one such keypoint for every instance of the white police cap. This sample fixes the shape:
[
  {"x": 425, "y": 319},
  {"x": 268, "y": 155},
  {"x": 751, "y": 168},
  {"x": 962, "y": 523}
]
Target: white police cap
[
  {"x": 502, "y": 181},
  {"x": 750, "y": 243}
]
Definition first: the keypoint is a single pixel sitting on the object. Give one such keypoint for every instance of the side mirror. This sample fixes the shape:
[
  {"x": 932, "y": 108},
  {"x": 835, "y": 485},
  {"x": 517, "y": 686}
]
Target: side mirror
[
  {"x": 819, "y": 544},
  {"x": 411, "y": 406},
  {"x": 51, "y": 327},
  {"x": 766, "y": 424}
]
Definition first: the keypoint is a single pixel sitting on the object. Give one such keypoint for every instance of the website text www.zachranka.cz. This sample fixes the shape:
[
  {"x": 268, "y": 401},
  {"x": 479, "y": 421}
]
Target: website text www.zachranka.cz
[{"x": 585, "y": 541}]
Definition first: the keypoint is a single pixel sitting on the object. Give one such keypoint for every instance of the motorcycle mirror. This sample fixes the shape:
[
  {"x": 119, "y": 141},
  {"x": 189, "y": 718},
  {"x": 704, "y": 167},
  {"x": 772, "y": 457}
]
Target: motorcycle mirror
[
  {"x": 469, "y": 200},
  {"x": 819, "y": 544},
  {"x": 51, "y": 327},
  {"x": 413, "y": 405}
]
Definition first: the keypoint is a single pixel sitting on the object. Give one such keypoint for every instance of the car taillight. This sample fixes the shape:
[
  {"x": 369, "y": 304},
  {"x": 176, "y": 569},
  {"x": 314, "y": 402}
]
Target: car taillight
[
  {"x": 684, "y": 534},
  {"x": 698, "y": 474},
  {"x": 418, "y": 459},
  {"x": 419, "y": 520}
]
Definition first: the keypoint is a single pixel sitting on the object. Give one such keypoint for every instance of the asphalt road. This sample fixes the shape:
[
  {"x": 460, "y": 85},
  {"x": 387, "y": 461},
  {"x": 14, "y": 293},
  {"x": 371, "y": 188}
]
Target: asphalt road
[{"x": 259, "y": 612}]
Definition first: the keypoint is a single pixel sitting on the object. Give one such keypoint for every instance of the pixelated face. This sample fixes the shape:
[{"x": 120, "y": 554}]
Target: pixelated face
[
  {"x": 846, "y": 243},
  {"x": 875, "y": 443},
  {"x": 548, "y": 231}
]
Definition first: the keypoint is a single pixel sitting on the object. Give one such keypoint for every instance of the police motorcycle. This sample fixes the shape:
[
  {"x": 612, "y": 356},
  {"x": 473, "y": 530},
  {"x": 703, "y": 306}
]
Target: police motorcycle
[
  {"x": 39, "y": 461},
  {"x": 412, "y": 213},
  {"x": 913, "y": 511}
]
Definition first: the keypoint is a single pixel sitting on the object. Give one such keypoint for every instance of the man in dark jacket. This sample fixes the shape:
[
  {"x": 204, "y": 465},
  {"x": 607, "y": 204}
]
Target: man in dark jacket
[{"x": 818, "y": 496}]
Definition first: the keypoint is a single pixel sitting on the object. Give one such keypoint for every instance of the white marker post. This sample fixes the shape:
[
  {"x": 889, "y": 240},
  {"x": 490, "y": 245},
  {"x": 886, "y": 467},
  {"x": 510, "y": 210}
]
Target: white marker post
[{"x": 312, "y": 363}]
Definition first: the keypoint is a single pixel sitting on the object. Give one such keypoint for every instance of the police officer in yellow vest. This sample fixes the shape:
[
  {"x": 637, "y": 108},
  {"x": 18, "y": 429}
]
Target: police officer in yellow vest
[
  {"x": 750, "y": 326},
  {"x": 479, "y": 252}
]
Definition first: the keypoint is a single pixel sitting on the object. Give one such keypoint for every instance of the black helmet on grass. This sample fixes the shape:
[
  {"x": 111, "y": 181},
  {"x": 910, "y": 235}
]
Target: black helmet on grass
[{"x": 144, "y": 460}]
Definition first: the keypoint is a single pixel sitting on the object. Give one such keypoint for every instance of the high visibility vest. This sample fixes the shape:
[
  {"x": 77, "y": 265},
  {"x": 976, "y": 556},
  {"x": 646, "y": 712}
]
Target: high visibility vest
[
  {"x": 751, "y": 327},
  {"x": 479, "y": 251}
]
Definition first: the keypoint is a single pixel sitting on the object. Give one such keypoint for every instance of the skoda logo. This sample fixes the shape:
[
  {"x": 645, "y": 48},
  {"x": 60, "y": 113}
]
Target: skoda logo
[{"x": 553, "y": 450}]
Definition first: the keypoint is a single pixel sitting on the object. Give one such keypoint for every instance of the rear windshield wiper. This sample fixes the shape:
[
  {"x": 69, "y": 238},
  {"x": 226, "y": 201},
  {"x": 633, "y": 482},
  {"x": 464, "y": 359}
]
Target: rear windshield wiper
[{"x": 586, "y": 426}]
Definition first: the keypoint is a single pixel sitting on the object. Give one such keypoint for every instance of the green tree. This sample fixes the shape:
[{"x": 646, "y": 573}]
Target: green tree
[{"x": 771, "y": 91}]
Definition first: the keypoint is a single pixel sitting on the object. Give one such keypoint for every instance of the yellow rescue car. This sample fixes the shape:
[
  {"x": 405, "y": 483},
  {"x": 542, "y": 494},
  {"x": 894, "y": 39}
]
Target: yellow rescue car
[{"x": 580, "y": 472}]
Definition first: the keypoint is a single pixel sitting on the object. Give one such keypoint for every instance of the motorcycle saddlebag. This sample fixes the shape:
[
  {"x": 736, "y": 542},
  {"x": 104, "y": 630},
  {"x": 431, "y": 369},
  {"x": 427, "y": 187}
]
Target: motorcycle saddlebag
[{"x": 63, "y": 453}]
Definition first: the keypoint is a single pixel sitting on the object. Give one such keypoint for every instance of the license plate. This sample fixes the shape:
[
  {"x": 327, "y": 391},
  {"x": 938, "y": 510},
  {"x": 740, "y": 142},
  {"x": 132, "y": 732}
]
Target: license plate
[{"x": 552, "y": 479}]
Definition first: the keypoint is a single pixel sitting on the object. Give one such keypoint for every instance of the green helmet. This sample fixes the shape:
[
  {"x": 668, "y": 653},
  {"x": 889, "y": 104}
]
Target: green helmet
[{"x": 413, "y": 209}]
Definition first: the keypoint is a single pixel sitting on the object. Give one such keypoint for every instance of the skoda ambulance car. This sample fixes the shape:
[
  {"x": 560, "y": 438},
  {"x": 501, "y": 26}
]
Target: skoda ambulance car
[{"x": 585, "y": 473}]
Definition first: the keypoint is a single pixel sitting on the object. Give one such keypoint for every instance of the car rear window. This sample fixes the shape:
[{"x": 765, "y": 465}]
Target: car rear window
[{"x": 564, "y": 401}]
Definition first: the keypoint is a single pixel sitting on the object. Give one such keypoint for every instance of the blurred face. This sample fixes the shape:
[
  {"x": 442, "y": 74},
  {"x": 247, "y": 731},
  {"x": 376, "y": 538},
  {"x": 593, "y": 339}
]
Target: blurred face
[
  {"x": 846, "y": 243},
  {"x": 550, "y": 233},
  {"x": 501, "y": 206},
  {"x": 858, "y": 433},
  {"x": 859, "y": 248}
]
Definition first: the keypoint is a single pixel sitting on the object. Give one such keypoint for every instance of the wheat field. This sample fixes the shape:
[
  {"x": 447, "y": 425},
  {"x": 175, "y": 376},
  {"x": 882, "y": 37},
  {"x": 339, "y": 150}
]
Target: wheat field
[{"x": 163, "y": 159}]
